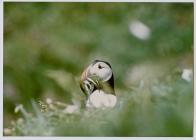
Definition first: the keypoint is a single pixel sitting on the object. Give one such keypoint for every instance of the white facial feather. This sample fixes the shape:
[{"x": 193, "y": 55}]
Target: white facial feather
[{"x": 102, "y": 70}]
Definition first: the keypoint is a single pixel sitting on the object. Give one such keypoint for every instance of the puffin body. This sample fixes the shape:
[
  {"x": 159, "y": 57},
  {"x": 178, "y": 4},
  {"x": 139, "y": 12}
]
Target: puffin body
[
  {"x": 97, "y": 82},
  {"x": 100, "y": 99}
]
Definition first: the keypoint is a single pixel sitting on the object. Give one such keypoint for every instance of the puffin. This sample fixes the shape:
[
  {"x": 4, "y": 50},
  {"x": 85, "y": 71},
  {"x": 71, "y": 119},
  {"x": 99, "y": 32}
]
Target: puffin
[{"x": 97, "y": 83}]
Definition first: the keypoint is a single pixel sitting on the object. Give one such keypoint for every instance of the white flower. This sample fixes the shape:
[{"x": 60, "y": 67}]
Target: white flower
[
  {"x": 187, "y": 75},
  {"x": 18, "y": 108},
  {"x": 139, "y": 30},
  {"x": 49, "y": 101},
  {"x": 7, "y": 131},
  {"x": 71, "y": 109}
]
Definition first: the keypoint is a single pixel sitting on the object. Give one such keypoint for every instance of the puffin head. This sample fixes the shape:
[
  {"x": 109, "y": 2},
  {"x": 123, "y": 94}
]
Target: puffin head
[{"x": 97, "y": 73}]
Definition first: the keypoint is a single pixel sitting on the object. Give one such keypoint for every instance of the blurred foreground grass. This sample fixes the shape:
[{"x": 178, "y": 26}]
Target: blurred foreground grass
[
  {"x": 165, "y": 109},
  {"x": 149, "y": 45}
]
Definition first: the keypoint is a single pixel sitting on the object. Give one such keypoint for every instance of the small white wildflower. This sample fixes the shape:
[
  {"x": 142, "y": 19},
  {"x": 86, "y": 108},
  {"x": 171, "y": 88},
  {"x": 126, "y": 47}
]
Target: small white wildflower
[
  {"x": 49, "y": 101},
  {"x": 139, "y": 30},
  {"x": 71, "y": 109},
  {"x": 18, "y": 108},
  {"x": 7, "y": 131},
  {"x": 187, "y": 75}
]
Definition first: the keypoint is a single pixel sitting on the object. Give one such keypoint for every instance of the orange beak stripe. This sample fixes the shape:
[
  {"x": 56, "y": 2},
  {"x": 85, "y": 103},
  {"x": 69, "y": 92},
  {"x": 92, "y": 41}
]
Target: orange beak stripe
[{"x": 84, "y": 74}]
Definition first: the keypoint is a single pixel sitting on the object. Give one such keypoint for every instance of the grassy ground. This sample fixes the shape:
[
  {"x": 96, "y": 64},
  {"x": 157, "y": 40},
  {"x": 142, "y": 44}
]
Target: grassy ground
[{"x": 163, "y": 109}]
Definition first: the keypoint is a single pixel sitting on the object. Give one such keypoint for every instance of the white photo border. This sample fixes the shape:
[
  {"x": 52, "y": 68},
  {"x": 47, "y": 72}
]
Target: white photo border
[{"x": 85, "y": 138}]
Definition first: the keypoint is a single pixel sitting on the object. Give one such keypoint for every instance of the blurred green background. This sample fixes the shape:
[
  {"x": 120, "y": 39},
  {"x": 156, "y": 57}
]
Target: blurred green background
[{"x": 47, "y": 46}]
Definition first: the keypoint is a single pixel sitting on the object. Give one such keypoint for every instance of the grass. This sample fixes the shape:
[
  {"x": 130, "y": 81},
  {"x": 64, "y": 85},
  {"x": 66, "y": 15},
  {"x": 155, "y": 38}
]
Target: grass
[{"x": 164, "y": 109}]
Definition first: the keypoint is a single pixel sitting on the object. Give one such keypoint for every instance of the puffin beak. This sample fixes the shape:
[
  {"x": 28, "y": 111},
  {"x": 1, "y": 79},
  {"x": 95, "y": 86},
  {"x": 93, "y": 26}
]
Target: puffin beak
[{"x": 84, "y": 74}]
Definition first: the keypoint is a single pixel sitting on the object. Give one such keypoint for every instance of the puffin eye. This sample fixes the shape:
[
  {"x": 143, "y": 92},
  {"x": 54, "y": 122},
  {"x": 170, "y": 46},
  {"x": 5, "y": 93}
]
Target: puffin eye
[{"x": 99, "y": 66}]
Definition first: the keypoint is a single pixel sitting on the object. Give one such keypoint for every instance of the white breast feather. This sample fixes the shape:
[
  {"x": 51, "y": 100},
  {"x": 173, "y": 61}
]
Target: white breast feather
[{"x": 99, "y": 99}]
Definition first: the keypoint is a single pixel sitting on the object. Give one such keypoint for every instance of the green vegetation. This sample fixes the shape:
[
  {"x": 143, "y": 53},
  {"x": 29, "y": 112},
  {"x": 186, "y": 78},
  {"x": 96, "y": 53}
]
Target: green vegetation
[
  {"x": 164, "y": 110},
  {"x": 47, "y": 46}
]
